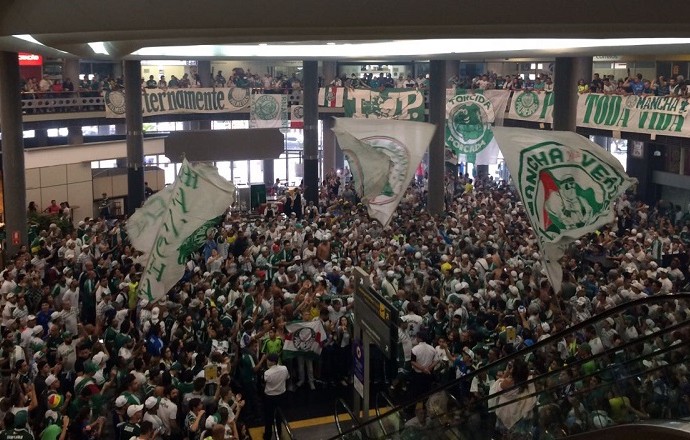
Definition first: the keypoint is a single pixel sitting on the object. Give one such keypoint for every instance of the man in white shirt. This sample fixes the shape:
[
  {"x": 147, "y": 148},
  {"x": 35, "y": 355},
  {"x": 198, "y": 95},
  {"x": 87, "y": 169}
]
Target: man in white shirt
[
  {"x": 275, "y": 379},
  {"x": 167, "y": 412},
  {"x": 424, "y": 361}
]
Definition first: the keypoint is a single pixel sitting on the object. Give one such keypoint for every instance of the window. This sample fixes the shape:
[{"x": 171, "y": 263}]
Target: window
[{"x": 57, "y": 132}]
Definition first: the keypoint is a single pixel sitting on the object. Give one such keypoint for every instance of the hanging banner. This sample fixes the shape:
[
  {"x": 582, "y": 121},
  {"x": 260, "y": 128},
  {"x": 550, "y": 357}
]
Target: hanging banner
[
  {"x": 661, "y": 115},
  {"x": 386, "y": 104},
  {"x": 175, "y": 101},
  {"x": 469, "y": 118},
  {"x": 297, "y": 116},
  {"x": 331, "y": 96},
  {"x": 268, "y": 111},
  {"x": 532, "y": 106}
]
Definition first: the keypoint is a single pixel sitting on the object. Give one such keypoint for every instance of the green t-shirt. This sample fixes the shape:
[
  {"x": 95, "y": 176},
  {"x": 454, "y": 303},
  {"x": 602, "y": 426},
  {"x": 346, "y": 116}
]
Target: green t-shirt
[
  {"x": 272, "y": 346},
  {"x": 52, "y": 432}
]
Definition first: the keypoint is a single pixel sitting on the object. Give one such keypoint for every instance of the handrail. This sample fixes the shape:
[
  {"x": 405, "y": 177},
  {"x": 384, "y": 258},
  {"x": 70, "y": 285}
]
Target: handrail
[
  {"x": 280, "y": 425},
  {"x": 537, "y": 346},
  {"x": 354, "y": 419},
  {"x": 388, "y": 402}
]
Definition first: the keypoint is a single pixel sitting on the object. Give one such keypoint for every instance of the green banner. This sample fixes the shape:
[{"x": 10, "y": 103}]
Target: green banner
[{"x": 386, "y": 104}]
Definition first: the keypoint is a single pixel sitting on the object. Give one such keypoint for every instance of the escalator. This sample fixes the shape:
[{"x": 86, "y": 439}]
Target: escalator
[
  {"x": 281, "y": 427},
  {"x": 349, "y": 427},
  {"x": 630, "y": 382}
]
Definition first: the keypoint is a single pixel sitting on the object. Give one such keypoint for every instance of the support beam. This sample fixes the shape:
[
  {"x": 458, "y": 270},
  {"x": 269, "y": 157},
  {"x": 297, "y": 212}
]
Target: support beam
[
  {"x": 437, "y": 116},
  {"x": 135, "y": 137},
  {"x": 566, "y": 74},
  {"x": 311, "y": 132},
  {"x": 329, "y": 146},
  {"x": 14, "y": 181},
  {"x": 204, "y": 70}
]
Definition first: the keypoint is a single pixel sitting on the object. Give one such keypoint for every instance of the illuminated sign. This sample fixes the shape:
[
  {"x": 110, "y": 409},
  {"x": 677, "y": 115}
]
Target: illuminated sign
[{"x": 30, "y": 59}]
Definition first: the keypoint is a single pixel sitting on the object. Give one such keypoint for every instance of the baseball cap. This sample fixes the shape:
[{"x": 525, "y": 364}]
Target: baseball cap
[
  {"x": 99, "y": 357},
  {"x": 133, "y": 409},
  {"x": 120, "y": 401},
  {"x": 151, "y": 402},
  {"x": 51, "y": 379}
]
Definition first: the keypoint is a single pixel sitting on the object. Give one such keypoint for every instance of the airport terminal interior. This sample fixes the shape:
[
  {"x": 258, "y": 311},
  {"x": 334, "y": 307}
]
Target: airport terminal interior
[{"x": 344, "y": 221}]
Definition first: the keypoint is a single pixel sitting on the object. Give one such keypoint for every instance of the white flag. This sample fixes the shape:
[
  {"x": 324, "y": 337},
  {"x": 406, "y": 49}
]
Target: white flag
[
  {"x": 268, "y": 111},
  {"x": 331, "y": 96},
  {"x": 304, "y": 338},
  {"x": 568, "y": 186},
  {"x": 170, "y": 227},
  {"x": 383, "y": 155}
]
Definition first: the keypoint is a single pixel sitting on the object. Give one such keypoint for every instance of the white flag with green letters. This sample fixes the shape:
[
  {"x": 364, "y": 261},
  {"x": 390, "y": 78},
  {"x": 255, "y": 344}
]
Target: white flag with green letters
[
  {"x": 175, "y": 223},
  {"x": 383, "y": 155},
  {"x": 568, "y": 186}
]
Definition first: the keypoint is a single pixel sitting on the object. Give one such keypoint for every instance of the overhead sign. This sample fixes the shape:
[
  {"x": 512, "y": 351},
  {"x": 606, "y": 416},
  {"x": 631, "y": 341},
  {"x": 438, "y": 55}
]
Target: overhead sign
[
  {"x": 378, "y": 318},
  {"x": 30, "y": 59}
]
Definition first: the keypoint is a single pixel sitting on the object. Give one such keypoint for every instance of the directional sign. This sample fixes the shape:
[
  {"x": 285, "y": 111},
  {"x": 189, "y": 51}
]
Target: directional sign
[{"x": 378, "y": 318}]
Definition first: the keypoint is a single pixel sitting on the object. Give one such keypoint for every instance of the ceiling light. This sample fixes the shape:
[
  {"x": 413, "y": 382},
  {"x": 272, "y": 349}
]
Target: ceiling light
[
  {"x": 29, "y": 38},
  {"x": 99, "y": 48}
]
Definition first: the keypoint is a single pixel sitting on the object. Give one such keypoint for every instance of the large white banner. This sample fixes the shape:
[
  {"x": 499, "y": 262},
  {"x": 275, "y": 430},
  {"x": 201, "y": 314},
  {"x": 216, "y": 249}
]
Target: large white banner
[
  {"x": 383, "y": 156},
  {"x": 532, "y": 106},
  {"x": 567, "y": 184},
  {"x": 172, "y": 101},
  {"x": 664, "y": 115},
  {"x": 174, "y": 223},
  {"x": 384, "y": 104}
]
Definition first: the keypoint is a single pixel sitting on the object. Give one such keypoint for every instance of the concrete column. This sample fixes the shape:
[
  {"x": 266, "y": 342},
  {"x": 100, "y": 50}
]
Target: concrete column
[
  {"x": 566, "y": 74},
  {"x": 329, "y": 71},
  {"x": 311, "y": 131},
  {"x": 437, "y": 116},
  {"x": 14, "y": 181},
  {"x": 269, "y": 173},
  {"x": 329, "y": 146},
  {"x": 74, "y": 135},
  {"x": 118, "y": 71},
  {"x": 339, "y": 157},
  {"x": 452, "y": 69},
  {"x": 71, "y": 70},
  {"x": 135, "y": 137},
  {"x": 203, "y": 68}
]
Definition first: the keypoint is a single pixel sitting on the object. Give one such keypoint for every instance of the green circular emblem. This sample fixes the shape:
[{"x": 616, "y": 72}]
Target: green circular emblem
[
  {"x": 266, "y": 108},
  {"x": 399, "y": 166},
  {"x": 631, "y": 101},
  {"x": 238, "y": 97},
  {"x": 298, "y": 112},
  {"x": 468, "y": 127},
  {"x": 526, "y": 104},
  {"x": 115, "y": 100}
]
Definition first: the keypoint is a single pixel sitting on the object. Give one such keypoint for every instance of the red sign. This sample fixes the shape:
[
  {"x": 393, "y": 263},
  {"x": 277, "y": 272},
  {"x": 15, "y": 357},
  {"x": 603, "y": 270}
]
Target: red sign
[
  {"x": 16, "y": 239},
  {"x": 30, "y": 59}
]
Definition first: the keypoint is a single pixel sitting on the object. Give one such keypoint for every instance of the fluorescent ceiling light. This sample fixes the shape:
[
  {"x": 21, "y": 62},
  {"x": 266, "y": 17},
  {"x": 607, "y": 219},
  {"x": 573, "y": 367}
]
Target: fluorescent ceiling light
[
  {"x": 99, "y": 48},
  {"x": 29, "y": 38},
  {"x": 399, "y": 48}
]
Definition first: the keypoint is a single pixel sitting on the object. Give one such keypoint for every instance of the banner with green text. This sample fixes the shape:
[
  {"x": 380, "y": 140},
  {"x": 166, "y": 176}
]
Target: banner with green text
[
  {"x": 386, "y": 104},
  {"x": 531, "y": 106},
  {"x": 174, "y": 101},
  {"x": 661, "y": 115}
]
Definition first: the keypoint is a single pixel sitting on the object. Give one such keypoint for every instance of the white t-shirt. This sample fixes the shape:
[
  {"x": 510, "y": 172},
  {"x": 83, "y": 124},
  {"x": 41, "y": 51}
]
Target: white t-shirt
[
  {"x": 275, "y": 378},
  {"x": 167, "y": 411},
  {"x": 424, "y": 355}
]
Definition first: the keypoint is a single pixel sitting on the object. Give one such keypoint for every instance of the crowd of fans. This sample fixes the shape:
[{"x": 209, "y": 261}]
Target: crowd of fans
[{"x": 83, "y": 355}]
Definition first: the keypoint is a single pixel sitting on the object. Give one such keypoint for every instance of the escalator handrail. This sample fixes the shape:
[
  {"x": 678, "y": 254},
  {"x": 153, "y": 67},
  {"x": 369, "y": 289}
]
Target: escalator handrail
[
  {"x": 354, "y": 419},
  {"x": 538, "y": 345},
  {"x": 279, "y": 421},
  {"x": 389, "y": 404}
]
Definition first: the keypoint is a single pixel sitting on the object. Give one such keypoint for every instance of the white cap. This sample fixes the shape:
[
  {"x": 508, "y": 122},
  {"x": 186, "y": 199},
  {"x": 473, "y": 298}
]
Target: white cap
[
  {"x": 545, "y": 327},
  {"x": 31, "y": 318},
  {"x": 51, "y": 379},
  {"x": 133, "y": 409},
  {"x": 37, "y": 330},
  {"x": 155, "y": 312},
  {"x": 120, "y": 401},
  {"x": 151, "y": 402}
]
